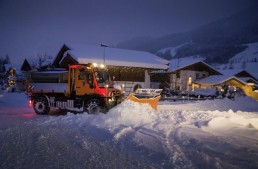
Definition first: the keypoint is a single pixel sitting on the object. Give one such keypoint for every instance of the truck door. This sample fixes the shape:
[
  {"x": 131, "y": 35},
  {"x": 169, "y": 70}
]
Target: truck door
[
  {"x": 72, "y": 81},
  {"x": 84, "y": 82}
]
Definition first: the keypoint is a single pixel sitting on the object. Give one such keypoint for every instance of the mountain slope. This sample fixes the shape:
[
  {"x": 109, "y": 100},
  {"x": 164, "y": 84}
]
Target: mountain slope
[{"x": 217, "y": 41}]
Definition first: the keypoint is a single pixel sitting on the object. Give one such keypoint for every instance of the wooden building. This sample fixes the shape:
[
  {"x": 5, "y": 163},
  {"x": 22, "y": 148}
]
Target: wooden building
[
  {"x": 127, "y": 67},
  {"x": 237, "y": 79},
  {"x": 26, "y": 67},
  {"x": 183, "y": 71}
]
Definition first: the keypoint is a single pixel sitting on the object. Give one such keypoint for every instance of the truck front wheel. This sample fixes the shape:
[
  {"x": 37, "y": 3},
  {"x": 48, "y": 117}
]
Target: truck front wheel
[
  {"x": 41, "y": 106},
  {"x": 92, "y": 106}
]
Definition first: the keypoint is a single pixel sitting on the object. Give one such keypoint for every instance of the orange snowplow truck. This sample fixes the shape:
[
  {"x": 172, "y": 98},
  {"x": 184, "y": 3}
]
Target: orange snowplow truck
[{"x": 84, "y": 88}]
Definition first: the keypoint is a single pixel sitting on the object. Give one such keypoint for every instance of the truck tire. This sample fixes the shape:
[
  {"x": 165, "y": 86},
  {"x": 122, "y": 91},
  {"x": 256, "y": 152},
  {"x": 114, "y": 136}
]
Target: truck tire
[
  {"x": 41, "y": 106},
  {"x": 92, "y": 106}
]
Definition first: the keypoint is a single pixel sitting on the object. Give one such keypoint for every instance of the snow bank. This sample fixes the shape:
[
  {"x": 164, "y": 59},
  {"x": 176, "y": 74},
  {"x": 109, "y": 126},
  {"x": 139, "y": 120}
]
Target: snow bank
[
  {"x": 222, "y": 123},
  {"x": 232, "y": 120},
  {"x": 128, "y": 113},
  {"x": 131, "y": 116},
  {"x": 219, "y": 114},
  {"x": 236, "y": 128},
  {"x": 131, "y": 113},
  {"x": 246, "y": 104}
]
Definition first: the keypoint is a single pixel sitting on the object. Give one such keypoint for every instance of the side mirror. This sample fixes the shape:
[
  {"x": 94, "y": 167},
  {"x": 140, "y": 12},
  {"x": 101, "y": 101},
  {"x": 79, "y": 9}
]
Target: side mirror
[{"x": 91, "y": 86}]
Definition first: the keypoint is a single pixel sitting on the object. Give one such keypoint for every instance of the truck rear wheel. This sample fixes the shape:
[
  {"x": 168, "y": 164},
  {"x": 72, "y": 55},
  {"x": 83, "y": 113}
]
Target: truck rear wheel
[
  {"x": 41, "y": 106},
  {"x": 93, "y": 106}
]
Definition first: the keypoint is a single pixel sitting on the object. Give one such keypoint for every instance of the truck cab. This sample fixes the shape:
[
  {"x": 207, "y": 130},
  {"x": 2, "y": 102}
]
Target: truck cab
[{"x": 84, "y": 80}]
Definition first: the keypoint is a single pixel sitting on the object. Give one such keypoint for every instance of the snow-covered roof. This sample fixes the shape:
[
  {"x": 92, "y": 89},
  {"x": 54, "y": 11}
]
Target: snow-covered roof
[
  {"x": 255, "y": 74},
  {"x": 115, "y": 57},
  {"x": 181, "y": 63},
  {"x": 231, "y": 72},
  {"x": 234, "y": 72},
  {"x": 217, "y": 79},
  {"x": 246, "y": 79},
  {"x": 15, "y": 66},
  {"x": 176, "y": 64}
]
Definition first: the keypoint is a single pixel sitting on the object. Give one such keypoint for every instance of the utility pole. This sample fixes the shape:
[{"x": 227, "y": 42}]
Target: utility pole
[{"x": 104, "y": 56}]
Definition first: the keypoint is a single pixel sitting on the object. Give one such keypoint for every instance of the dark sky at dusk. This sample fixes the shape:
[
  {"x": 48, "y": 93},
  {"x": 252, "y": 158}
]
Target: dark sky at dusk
[{"x": 30, "y": 27}]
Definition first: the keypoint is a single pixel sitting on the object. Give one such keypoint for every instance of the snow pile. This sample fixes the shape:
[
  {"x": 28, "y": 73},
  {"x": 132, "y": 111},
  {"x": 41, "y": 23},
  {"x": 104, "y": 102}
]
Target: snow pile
[
  {"x": 129, "y": 116},
  {"x": 234, "y": 121},
  {"x": 240, "y": 124},
  {"x": 130, "y": 113},
  {"x": 239, "y": 104},
  {"x": 127, "y": 113},
  {"x": 223, "y": 113}
]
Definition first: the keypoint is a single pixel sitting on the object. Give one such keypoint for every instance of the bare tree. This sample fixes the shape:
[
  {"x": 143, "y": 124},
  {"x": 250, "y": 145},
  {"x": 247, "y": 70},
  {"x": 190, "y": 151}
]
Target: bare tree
[
  {"x": 7, "y": 59},
  {"x": 1, "y": 64},
  {"x": 41, "y": 59}
]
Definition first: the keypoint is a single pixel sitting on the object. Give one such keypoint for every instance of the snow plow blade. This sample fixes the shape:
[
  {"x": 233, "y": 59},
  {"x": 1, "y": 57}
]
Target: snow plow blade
[{"x": 149, "y": 96}]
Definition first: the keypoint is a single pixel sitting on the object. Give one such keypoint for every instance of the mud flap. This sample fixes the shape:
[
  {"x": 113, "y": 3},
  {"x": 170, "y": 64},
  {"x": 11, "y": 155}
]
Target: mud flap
[{"x": 149, "y": 96}]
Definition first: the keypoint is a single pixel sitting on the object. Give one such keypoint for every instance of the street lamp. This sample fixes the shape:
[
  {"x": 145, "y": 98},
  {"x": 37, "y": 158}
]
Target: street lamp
[{"x": 104, "y": 56}]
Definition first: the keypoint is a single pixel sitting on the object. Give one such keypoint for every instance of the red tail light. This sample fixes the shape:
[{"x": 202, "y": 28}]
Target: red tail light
[{"x": 30, "y": 103}]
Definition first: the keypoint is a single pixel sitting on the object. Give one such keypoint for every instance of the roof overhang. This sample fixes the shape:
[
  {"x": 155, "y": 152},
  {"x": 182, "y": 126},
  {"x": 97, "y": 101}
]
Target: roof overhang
[
  {"x": 115, "y": 57},
  {"x": 197, "y": 66},
  {"x": 216, "y": 80}
]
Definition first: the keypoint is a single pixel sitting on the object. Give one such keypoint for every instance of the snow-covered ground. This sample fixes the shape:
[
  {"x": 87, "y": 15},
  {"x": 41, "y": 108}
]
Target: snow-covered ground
[{"x": 203, "y": 134}]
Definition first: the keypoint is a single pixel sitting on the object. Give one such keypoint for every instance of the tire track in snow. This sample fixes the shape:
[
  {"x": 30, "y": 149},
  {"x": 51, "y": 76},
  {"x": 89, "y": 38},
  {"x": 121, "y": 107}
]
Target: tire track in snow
[
  {"x": 64, "y": 147},
  {"x": 164, "y": 129},
  {"x": 60, "y": 145},
  {"x": 170, "y": 146},
  {"x": 131, "y": 140},
  {"x": 211, "y": 151},
  {"x": 173, "y": 150},
  {"x": 160, "y": 140},
  {"x": 75, "y": 149}
]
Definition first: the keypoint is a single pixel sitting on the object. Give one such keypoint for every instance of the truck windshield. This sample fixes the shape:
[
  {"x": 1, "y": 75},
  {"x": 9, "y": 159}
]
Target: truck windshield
[{"x": 102, "y": 77}]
